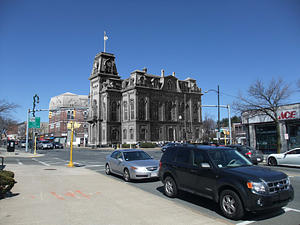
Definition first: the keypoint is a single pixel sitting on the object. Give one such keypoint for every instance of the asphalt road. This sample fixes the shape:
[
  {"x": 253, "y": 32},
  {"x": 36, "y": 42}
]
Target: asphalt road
[{"x": 95, "y": 160}]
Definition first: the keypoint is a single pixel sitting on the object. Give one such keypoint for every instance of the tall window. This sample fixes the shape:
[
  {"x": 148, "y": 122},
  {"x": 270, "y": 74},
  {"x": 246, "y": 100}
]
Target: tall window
[
  {"x": 70, "y": 115},
  {"x": 154, "y": 110},
  {"x": 169, "y": 85},
  {"x": 131, "y": 134},
  {"x": 143, "y": 134},
  {"x": 131, "y": 109},
  {"x": 125, "y": 111},
  {"x": 181, "y": 110},
  {"x": 125, "y": 134},
  {"x": 168, "y": 110},
  {"x": 195, "y": 112},
  {"x": 142, "y": 109},
  {"x": 113, "y": 111}
]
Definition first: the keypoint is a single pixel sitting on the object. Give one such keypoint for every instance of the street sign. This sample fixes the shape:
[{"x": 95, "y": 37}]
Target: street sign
[{"x": 34, "y": 122}]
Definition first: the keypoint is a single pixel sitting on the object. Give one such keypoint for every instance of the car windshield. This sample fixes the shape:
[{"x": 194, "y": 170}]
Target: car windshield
[
  {"x": 45, "y": 142},
  {"x": 138, "y": 155},
  {"x": 223, "y": 158}
]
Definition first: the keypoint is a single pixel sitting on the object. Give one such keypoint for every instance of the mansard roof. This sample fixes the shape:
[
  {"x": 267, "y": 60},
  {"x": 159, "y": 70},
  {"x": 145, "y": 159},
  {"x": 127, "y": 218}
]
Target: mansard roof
[{"x": 68, "y": 100}]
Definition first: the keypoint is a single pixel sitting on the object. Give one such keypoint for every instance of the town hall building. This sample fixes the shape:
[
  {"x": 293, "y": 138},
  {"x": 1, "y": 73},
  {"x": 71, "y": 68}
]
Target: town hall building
[{"x": 142, "y": 107}]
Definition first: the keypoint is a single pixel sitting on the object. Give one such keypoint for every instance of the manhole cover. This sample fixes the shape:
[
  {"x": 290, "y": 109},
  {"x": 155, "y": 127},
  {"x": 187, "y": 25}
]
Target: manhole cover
[{"x": 50, "y": 169}]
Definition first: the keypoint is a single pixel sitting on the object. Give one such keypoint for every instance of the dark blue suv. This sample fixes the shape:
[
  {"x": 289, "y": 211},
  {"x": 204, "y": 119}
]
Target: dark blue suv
[{"x": 224, "y": 175}]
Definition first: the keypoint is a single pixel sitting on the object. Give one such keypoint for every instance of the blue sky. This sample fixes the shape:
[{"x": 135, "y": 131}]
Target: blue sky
[{"x": 47, "y": 47}]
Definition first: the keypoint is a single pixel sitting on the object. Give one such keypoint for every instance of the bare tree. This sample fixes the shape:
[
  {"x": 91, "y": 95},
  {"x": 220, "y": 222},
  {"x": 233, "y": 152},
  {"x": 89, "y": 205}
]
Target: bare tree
[
  {"x": 6, "y": 120},
  {"x": 264, "y": 99},
  {"x": 208, "y": 127},
  {"x": 298, "y": 85}
]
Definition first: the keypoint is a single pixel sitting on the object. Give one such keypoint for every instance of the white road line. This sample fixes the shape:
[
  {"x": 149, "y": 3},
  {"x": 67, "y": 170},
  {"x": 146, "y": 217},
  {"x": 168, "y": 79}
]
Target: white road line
[
  {"x": 93, "y": 165},
  {"x": 41, "y": 162},
  {"x": 20, "y": 163},
  {"x": 286, "y": 209}
]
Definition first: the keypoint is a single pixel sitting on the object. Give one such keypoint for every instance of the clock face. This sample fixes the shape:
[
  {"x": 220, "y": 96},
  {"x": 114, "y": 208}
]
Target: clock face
[{"x": 108, "y": 63}]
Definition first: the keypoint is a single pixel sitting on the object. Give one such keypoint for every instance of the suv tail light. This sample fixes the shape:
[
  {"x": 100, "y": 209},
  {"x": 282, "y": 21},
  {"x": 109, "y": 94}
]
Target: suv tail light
[{"x": 159, "y": 165}]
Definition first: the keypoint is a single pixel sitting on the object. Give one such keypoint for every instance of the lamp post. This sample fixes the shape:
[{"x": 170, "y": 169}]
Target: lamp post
[
  {"x": 36, "y": 99},
  {"x": 218, "y": 92}
]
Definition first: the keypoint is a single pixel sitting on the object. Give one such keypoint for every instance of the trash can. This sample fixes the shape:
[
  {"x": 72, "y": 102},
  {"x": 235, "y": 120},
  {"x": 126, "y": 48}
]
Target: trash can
[{"x": 10, "y": 146}]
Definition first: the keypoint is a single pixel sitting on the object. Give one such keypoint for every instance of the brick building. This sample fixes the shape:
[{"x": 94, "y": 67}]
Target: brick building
[{"x": 61, "y": 109}]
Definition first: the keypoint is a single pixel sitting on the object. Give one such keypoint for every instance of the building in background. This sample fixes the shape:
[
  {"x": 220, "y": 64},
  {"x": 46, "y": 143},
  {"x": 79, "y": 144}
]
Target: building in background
[
  {"x": 261, "y": 130},
  {"x": 63, "y": 109},
  {"x": 141, "y": 108}
]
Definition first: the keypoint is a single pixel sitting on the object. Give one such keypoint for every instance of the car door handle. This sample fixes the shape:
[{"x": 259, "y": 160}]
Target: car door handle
[
  {"x": 193, "y": 171},
  {"x": 174, "y": 166}
]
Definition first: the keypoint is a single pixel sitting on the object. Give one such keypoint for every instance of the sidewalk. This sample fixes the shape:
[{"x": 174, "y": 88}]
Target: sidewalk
[{"x": 61, "y": 195}]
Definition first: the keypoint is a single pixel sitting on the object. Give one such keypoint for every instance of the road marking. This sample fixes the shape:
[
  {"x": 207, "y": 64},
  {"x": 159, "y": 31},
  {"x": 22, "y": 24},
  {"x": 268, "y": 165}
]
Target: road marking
[
  {"x": 286, "y": 209},
  {"x": 93, "y": 165},
  {"x": 20, "y": 163},
  {"x": 41, "y": 162}
]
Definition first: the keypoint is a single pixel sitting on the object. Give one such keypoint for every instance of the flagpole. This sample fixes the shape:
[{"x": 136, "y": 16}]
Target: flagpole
[{"x": 105, "y": 39}]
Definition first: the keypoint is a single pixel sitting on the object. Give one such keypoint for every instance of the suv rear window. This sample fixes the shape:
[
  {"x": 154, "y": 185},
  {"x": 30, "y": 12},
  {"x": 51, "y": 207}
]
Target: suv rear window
[
  {"x": 183, "y": 156},
  {"x": 169, "y": 154}
]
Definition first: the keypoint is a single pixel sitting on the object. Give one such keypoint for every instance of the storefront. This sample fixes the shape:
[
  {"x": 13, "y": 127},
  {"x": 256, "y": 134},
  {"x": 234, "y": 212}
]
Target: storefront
[{"x": 261, "y": 129}]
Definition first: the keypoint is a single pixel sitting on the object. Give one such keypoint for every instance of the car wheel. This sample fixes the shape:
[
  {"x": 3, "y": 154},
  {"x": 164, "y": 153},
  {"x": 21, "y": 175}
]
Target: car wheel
[
  {"x": 231, "y": 205},
  {"x": 126, "y": 175},
  {"x": 170, "y": 187},
  {"x": 272, "y": 161},
  {"x": 107, "y": 169}
]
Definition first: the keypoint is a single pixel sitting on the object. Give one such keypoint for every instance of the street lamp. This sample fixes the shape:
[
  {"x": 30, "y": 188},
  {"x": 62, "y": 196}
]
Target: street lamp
[
  {"x": 36, "y": 99},
  {"x": 218, "y": 92}
]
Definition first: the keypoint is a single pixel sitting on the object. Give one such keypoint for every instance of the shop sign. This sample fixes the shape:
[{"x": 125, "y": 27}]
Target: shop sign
[{"x": 287, "y": 115}]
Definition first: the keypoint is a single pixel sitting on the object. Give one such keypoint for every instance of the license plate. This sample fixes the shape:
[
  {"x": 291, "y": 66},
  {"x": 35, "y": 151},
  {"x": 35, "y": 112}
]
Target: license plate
[
  {"x": 153, "y": 175},
  {"x": 258, "y": 159}
]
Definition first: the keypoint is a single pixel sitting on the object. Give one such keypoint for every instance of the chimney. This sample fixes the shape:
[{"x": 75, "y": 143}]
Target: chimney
[{"x": 162, "y": 73}]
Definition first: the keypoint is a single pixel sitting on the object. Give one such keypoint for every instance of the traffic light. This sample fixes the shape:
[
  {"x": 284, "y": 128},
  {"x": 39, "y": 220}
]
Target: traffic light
[
  {"x": 74, "y": 113},
  {"x": 50, "y": 115}
]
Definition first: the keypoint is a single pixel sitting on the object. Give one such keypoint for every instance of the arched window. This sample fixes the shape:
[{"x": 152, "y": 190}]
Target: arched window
[{"x": 131, "y": 134}]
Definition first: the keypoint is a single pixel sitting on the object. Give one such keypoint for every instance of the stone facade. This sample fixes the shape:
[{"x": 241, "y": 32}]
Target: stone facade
[{"x": 141, "y": 108}]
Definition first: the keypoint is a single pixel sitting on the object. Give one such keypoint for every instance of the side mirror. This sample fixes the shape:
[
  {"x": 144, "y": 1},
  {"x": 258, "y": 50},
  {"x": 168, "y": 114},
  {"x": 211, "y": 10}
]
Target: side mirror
[
  {"x": 205, "y": 165},
  {"x": 120, "y": 159}
]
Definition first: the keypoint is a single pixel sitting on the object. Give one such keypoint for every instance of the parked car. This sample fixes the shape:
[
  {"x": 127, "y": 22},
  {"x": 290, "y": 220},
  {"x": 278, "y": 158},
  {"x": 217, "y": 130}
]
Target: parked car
[
  {"x": 289, "y": 158},
  {"x": 131, "y": 164},
  {"x": 22, "y": 144},
  {"x": 255, "y": 156},
  {"x": 58, "y": 145},
  {"x": 44, "y": 145},
  {"x": 170, "y": 144},
  {"x": 225, "y": 176}
]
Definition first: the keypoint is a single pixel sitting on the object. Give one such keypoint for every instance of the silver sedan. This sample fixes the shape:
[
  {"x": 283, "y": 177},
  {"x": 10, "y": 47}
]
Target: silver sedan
[{"x": 131, "y": 164}]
